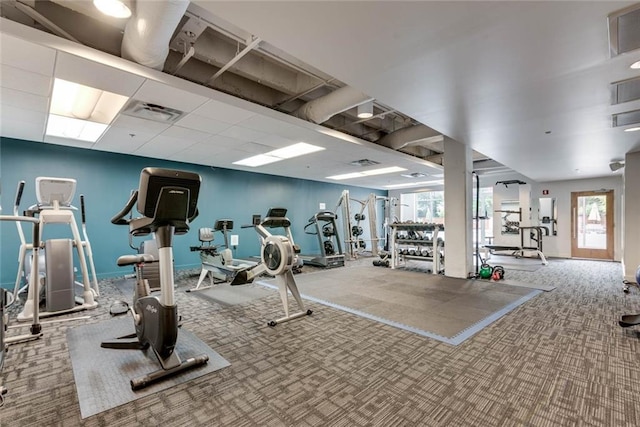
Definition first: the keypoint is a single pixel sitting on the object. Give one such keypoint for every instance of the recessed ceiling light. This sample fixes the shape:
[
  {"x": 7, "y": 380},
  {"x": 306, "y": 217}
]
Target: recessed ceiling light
[
  {"x": 67, "y": 127},
  {"x": 370, "y": 172},
  {"x": 635, "y": 65},
  {"x": 633, "y": 129},
  {"x": 289, "y": 152}
]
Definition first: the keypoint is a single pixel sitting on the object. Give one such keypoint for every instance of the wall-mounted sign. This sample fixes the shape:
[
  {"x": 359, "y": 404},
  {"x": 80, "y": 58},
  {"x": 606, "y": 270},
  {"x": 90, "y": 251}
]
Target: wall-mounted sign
[{"x": 545, "y": 192}]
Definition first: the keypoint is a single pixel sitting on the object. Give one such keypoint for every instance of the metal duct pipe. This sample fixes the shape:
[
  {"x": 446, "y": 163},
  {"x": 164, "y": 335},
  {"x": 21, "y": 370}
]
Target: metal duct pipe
[
  {"x": 148, "y": 32},
  {"x": 412, "y": 135},
  {"x": 322, "y": 109}
]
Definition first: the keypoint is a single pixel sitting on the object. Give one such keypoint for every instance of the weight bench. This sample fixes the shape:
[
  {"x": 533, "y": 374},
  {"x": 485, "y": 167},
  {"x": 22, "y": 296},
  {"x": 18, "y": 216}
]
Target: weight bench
[{"x": 518, "y": 251}]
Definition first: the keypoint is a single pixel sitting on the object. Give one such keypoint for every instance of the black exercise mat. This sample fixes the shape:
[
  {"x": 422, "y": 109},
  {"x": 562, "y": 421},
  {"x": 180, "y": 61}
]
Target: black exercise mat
[{"x": 102, "y": 374}]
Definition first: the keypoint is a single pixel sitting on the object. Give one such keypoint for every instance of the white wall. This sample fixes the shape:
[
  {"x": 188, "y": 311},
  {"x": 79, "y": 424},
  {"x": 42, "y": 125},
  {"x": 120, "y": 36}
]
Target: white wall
[{"x": 560, "y": 245}]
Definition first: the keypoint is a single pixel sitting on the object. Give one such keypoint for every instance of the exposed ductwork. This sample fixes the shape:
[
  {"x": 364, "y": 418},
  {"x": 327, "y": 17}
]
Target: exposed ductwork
[
  {"x": 148, "y": 32},
  {"x": 322, "y": 109},
  {"x": 408, "y": 136}
]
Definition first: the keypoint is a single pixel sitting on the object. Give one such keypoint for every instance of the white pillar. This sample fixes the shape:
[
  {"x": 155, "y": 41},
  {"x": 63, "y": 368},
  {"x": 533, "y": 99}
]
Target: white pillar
[
  {"x": 458, "y": 192},
  {"x": 631, "y": 230}
]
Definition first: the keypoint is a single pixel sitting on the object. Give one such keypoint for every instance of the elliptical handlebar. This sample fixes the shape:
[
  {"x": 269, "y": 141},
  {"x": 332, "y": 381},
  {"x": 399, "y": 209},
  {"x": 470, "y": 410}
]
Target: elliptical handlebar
[
  {"x": 82, "y": 209},
  {"x": 19, "y": 192},
  {"x": 119, "y": 218}
]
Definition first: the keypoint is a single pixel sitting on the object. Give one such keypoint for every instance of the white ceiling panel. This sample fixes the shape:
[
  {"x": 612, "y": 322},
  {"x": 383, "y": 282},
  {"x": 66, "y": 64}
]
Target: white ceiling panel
[
  {"x": 19, "y": 129},
  {"x": 26, "y": 56},
  {"x": 185, "y": 134},
  {"x": 67, "y": 142},
  {"x": 120, "y": 139},
  {"x": 276, "y": 141},
  {"x": 161, "y": 94},
  {"x": 202, "y": 123},
  {"x": 223, "y": 141},
  {"x": 25, "y": 81},
  {"x": 254, "y": 148},
  {"x": 10, "y": 113},
  {"x": 163, "y": 147},
  {"x": 243, "y": 134},
  {"x": 268, "y": 124},
  {"x": 24, "y": 100},
  {"x": 223, "y": 112},
  {"x": 199, "y": 153},
  {"x": 136, "y": 125},
  {"x": 99, "y": 76}
]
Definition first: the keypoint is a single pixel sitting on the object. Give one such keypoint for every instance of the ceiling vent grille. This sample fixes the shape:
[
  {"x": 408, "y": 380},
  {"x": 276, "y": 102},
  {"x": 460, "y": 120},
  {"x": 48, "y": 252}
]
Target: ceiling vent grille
[
  {"x": 626, "y": 119},
  {"x": 624, "y": 30},
  {"x": 364, "y": 162},
  {"x": 415, "y": 175},
  {"x": 154, "y": 112},
  {"x": 625, "y": 91}
]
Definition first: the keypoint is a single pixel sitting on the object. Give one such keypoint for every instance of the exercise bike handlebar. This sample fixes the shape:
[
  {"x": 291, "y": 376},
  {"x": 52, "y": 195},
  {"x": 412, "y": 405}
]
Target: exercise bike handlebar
[{"x": 119, "y": 218}]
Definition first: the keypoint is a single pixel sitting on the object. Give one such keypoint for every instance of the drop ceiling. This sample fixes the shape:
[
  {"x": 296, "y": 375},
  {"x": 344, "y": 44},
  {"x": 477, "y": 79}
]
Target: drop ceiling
[{"x": 527, "y": 84}]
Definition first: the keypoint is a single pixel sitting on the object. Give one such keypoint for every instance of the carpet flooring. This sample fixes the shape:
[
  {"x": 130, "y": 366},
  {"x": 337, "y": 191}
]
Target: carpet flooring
[{"x": 558, "y": 360}]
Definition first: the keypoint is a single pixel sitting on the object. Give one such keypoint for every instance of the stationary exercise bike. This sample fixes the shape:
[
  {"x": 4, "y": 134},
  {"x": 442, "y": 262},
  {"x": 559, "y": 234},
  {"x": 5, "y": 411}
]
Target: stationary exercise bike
[
  {"x": 167, "y": 199},
  {"x": 279, "y": 255}
]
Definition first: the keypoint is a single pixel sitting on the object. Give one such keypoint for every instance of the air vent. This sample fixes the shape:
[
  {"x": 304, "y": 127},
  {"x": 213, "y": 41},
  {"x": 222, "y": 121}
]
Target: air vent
[
  {"x": 364, "y": 162},
  {"x": 624, "y": 30},
  {"x": 626, "y": 119},
  {"x": 415, "y": 175},
  {"x": 157, "y": 113},
  {"x": 625, "y": 91}
]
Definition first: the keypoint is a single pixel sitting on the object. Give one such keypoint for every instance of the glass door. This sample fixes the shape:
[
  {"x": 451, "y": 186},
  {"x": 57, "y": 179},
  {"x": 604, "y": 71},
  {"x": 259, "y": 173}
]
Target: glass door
[{"x": 592, "y": 224}]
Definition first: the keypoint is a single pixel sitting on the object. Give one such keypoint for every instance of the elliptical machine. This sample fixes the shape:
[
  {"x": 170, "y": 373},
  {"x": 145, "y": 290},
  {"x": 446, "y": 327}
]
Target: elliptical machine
[{"x": 167, "y": 199}]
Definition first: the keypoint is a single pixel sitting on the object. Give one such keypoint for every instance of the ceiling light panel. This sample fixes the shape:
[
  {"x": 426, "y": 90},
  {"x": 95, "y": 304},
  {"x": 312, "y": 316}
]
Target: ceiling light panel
[
  {"x": 295, "y": 150},
  {"x": 83, "y": 102},
  {"x": 259, "y": 160},
  {"x": 72, "y": 128}
]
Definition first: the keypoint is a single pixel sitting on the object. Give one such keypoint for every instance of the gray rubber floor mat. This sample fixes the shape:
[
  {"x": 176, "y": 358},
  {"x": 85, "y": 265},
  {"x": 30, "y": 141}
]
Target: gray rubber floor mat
[
  {"x": 102, "y": 375},
  {"x": 226, "y": 294}
]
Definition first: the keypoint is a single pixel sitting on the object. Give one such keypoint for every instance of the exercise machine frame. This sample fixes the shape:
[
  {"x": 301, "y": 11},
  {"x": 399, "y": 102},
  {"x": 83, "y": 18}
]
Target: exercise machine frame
[{"x": 167, "y": 200}]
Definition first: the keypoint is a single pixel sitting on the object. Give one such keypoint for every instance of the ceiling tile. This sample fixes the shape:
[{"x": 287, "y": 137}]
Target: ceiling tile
[
  {"x": 223, "y": 141},
  {"x": 29, "y": 131},
  {"x": 167, "y": 96},
  {"x": 163, "y": 147},
  {"x": 202, "y": 123},
  {"x": 10, "y": 113},
  {"x": 275, "y": 141},
  {"x": 26, "y": 56},
  {"x": 267, "y": 124},
  {"x": 27, "y": 101},
  {"x": 93, "y": 74},
  {"x": 243, "y": 134},
  {"x": 67, "y": 142},
  {"x": 25, "y": 81},
  {"x": 253, "y": 148},
  {"x": 120, "y": 140},
  {"x": 223, "y": 112},
  {"x": 185, "y": 134},
  {"x": 136, "y": 125}
]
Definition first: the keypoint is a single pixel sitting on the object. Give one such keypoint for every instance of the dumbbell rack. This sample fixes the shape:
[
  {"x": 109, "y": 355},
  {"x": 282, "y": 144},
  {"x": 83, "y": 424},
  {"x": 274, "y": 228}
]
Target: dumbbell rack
[{"x": 418, "y": 242}]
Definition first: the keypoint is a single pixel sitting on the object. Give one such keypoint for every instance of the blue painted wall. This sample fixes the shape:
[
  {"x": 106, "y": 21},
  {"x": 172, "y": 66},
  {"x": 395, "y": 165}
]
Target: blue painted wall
[{"x": 106, "y": 180}]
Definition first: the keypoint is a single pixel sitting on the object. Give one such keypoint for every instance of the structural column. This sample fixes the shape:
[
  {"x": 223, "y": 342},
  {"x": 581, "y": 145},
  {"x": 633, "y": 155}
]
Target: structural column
[
  {"x": 631, "y": 231},
  {"x": 458, "y": 192}
]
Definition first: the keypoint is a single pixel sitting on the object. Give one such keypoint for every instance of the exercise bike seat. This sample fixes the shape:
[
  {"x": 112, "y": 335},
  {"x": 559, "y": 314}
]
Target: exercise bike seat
[{"x": 134, "y": 259}]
